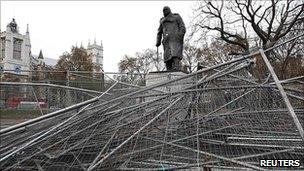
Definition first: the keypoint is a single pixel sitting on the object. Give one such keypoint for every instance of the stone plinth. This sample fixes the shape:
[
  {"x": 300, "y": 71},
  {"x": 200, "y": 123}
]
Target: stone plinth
[{"x": 163, "y": 76}]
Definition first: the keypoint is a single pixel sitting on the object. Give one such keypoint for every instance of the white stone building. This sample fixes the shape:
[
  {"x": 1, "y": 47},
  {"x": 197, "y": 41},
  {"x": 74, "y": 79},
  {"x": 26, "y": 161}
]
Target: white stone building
[
  {"x": 16, "y": 52},
  {"x": 15, "y": 49}
]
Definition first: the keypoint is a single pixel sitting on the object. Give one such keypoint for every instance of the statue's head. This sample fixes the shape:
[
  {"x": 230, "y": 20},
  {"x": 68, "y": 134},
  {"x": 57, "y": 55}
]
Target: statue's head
[{"x": 166, "y": 11}]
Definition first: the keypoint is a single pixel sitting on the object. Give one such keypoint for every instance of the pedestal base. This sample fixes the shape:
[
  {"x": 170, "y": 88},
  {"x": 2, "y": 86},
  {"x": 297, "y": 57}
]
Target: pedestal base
[{"x": 163, "y": 76}]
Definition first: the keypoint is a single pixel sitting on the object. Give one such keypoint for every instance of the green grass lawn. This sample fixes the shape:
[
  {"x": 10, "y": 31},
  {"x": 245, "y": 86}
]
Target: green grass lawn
[{"x": 21, "y": 113}]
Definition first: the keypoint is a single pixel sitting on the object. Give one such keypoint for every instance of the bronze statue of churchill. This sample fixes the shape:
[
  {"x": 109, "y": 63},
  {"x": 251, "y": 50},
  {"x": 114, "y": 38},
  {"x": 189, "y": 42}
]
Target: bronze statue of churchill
[{"x": 171, "y": 30}]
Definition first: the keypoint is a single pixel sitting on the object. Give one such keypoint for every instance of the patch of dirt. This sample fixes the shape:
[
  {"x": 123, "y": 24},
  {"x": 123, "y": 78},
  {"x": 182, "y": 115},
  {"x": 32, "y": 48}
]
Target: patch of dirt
[{"x": 4, "y": 123}]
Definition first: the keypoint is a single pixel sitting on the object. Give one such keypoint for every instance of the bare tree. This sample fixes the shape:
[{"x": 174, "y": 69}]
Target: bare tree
[
  {"x": 218, "y": 51},
  {"x": 249, "y": 25},
  {"x": 268, "y": 20},
  {"x": 156, "y": 59},
  {"x": 150, "y": 60},
  {"x": 129, "y": 66},
  {"x": 138, "y": 66},
  {"x": 289, "y": 58},
  {"x": 191, "y": 57},
  {"x": 142, "y": 63}
]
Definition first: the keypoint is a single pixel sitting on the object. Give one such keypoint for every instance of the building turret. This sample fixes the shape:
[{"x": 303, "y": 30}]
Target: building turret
[
  {"x": 27, "y": 29},
  {"x": 12, "y": 27},
  {"x": 40, "y": 58}
]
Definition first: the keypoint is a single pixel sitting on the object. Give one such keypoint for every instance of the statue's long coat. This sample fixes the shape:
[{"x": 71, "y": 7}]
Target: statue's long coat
[{"x": 172, "y": 29}]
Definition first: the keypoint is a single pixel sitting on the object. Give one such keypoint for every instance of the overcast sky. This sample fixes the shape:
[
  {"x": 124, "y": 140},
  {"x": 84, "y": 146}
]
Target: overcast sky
[{"x": 124, "y": 27}]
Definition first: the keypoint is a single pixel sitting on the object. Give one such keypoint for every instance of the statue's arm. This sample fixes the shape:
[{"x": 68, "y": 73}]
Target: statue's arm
[
  {"x": 159, "y": 34},
  {"x": 181, "y": 24}
]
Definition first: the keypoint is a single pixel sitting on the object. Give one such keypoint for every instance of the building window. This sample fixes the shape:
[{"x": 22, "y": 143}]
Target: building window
[
  {"x": 2, "y": 48},
  {"x": 17, "y": 48}
]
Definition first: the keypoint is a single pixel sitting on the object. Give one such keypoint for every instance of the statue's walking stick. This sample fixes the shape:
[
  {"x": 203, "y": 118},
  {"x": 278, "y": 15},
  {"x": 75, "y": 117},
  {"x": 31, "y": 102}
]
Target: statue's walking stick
[{"x": 157, "y": 53}]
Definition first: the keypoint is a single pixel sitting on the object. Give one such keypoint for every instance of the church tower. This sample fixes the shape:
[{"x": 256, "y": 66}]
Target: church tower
[
  {"x": 97, "y": 55},
  {"x": 15, "y": 50}
]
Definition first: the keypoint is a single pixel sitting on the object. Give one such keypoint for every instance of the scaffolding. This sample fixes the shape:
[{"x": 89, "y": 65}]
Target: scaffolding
[{"x": 218, "y": 117}]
